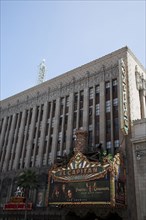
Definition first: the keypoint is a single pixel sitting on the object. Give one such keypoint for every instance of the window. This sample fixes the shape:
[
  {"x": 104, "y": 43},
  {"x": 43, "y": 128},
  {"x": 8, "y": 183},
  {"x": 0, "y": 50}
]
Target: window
[
  {"x": 60, "y": 123},
  {"x": 107, "y": 91},
  {"x": 108, "y": 144},
  {"x": 50, "y": 145},
  {"x": 67, "y": 104},
  {"x": 90, "y": 138},
  {"x": 115, "y": 102},
  {"x": 53, "y": 122},
  {"x": 97, "y": 89},
  {"x": 91, "y": 93},
  {"x": 116, "y": 143},
  {"x": 107, "y": 85},
  {"x": 37, "y": 150},
  {"x": 81, "y": 99},
  {"x": 62, "y": 101},
  {"x": 115, "y": 105},
  {"x": 67, "y": 101},
  {"x": 90, "y": 115},
  {"x": 42, "y": 111},
  {"x": 61, "y": 110},
  {"x": 45, "y": 147},
  {"x": 66, "y": 121},
  {"x": 97, "y": 109},
  {"x": 116, "y": 125},
  {"x": 108, "y": 106},
  {"x": 75, "y": 101},
  {"x": 54, "y": 108},
  {"x": 90, "y": 127},
  {"x": 115, "y": 91},
  {"x": 81, "y": 118},
  {"x": 37, "y": 114},
  {"x": 47, "y": 129},
  {"x": 114, "y": 82},
  {"x": 108, "y": 126},
  {"x": 74, "y": 120},
  {"x": 49, "y": 108}
]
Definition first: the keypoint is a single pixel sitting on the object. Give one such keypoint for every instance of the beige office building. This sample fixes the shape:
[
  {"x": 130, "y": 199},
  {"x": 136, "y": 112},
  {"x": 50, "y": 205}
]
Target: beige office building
[{"x": 104, "y": 97}]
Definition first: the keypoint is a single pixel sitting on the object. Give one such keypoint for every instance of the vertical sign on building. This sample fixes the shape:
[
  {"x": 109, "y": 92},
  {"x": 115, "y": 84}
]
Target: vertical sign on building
[{"x": 124, "y": 121}]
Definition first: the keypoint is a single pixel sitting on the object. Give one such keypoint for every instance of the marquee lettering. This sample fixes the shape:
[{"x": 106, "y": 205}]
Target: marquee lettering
[{"x": 123, "y": 97}]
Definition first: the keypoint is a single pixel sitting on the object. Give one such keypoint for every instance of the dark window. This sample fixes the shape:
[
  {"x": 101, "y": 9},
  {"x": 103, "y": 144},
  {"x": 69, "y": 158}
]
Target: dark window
[
  {"x": 54, "y": 108},
  {"x": 116, "y": 128},
  {"x": 47, "y": 129},
  {"x": 66, "y": 121},
  {"x": 107, "y": 94},
  {"x": 37, "y": 150},
  {"x": 97, "y": 98},
  {"x": 108, "y": 126},
  {"x": 90, "y": 138},
  {"x": 81, "y": 99},
  {"x": 115, "y": 89},
  {"x": 75, "y": 101},
  {"x": 74, "y": 120},
  {"x": 108, "y": 130},
  {"x": 37, "y": 114},
  {"x": 42, "y": 111},
  {"x": 50, "y": 145},
  {"x": 45, "y": 147},
  {"x": 90, "y": 116},
  {"x": 60, "y": 124},
  {"x": 49, "y": 110},
  {"x": 81, "y": 118}
]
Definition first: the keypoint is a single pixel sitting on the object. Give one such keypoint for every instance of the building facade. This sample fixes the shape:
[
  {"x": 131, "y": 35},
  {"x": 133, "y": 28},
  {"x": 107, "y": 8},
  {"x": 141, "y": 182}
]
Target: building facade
[
  {"x": 139, "y": 155},
  {"x": 102, "y": 97}
]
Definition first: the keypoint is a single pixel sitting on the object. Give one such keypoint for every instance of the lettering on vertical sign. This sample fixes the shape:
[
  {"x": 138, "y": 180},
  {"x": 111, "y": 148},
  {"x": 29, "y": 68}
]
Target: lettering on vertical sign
[{"x": 123, "y": 97}]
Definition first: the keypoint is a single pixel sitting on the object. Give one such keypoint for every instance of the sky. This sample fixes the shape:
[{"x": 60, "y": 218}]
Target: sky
[{"x": 67, "y": 34}]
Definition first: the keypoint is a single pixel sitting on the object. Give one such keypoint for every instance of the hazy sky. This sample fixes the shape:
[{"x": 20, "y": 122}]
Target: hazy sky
[{"x": 67, "y": 34}]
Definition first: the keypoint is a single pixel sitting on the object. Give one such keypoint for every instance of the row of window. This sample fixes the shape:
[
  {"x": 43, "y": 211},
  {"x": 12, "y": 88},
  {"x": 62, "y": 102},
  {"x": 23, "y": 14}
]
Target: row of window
[{"x": 33, "y": 123}]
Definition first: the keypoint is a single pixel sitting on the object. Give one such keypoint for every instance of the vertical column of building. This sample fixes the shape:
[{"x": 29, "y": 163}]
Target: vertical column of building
[
  {"x": 10, "y": 143},
  {"x": 37, "y": 136},
  {"x": 20, "y": 141},
  {"x": 108, "y": 103},
  {"x": 81, "y": 108},
  {"x": 2, "y": 151},
  {"x": 42, "y": 138},
  {"x": 94, "y": 113},
  {"x": 97, "y": 115},
  {"x": 78, "y": 110},
  {"x": 111, "y": 117},
  {"x": 90, "y": 119},
  {"x": 142, "y": 98},
  {"x": 14, "y": 147},
  {"x": 55, "y": 129},
  {"x": 63, "y": 128},
  {"x": 102, "y": 114},
  {"x": 29, "y": 156},
  {"x": 25, "y": 140},
  {"x": 60, "y": 126},
  {"x": 85, "y": 109},
  {"x": 115, "y": 114},
  {"x": 48, "y": 133},
  {"x": 69, "y": 134},
  {"x": 3, "y": 132},
  {"x": 34, "y": 150},
  {"x": 5, "y": 146}
]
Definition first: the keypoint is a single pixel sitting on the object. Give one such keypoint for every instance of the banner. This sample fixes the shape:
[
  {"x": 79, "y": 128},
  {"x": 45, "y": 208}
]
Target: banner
[{"x": 83, "y": 182}]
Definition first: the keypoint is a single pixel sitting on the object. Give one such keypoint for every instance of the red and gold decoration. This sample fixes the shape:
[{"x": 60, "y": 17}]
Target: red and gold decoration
[{"x": 18, "y": 202}]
